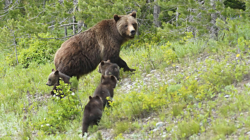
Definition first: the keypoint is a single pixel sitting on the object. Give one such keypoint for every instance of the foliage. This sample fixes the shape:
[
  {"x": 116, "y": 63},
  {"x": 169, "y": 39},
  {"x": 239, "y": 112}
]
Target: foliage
[
  {"x": 35, "y": 50},
  {"x": 63, "y": 110},
  {"x": 188, "y": 128}
]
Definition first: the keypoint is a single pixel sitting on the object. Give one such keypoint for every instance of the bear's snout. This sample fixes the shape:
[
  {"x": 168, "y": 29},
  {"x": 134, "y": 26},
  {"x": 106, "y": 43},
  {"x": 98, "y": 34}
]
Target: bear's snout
[{"x": 132, "y": 32}]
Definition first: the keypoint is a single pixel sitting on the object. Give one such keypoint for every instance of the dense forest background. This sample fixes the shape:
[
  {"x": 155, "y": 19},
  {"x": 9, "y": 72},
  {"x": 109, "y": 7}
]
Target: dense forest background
[
  {"x": 191, "y": 80},
  {"x": 26, "y": 23}
]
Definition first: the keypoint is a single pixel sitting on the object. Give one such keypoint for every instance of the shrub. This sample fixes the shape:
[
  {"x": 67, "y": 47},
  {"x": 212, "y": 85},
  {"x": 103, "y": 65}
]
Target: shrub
[
  {"x": 61, "y": 112},
  {"x": 39, "y": 51}
]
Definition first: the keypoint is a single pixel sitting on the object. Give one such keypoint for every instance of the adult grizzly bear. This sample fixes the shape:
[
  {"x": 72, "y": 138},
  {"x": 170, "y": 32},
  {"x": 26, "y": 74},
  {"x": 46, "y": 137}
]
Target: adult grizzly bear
[
  {"x": 82, "y": 53},
  {"x": 92, "y": 113}
]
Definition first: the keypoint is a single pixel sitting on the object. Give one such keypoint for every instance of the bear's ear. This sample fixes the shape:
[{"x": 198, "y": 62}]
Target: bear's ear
[
  {"x": 97, "y": 97},
  {"x": 116, "y": 17},
  {"x": 108, "y": 60},
  {"x": 90, "y": 97},
  {"x": 113, "y": 78},
  {"x": 56, "y": 72},
  {"x": 53, "y": 70},
  {"x": 133, "y": 14}
]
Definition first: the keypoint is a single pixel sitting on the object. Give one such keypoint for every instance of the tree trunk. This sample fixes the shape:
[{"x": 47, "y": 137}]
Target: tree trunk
[
  {"x": 156, "y": 14},
  {"x": 74, "y": 28},
  {"x": 176, "y": 17},
  {"x": 213, "y": 29},
  {"x": 65, "y": 31}
]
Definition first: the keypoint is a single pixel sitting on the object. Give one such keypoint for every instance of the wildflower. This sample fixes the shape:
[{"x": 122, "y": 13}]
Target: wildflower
[{"x": 237, "y": 55}]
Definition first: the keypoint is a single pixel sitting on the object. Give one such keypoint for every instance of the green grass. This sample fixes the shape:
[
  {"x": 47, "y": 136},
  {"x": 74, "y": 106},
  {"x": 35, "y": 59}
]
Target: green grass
[{"x": 199, "y": 90}]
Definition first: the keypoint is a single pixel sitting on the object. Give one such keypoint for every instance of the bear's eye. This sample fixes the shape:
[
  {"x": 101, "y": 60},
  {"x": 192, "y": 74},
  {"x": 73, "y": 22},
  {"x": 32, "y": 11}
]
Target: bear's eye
[
  {"x": 49, "y": 79},
  {"x": 134, "y": 24},
  {"x": 126, "y": 26}
]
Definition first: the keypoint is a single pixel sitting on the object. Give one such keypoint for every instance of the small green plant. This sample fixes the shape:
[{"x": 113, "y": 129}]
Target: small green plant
[
  {"x": 169, "y": 55},
  {"x": 62, "y": 111},
  {"x": 121, "y": 127},
  {"x": 177, "y": 109},
  {"x": 187, "y": 128},
  {"x": 224, "y": 127}
]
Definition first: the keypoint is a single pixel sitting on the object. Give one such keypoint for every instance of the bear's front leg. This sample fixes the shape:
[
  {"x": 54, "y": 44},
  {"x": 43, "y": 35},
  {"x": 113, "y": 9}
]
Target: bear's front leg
[{"x": 122, "y": 64}]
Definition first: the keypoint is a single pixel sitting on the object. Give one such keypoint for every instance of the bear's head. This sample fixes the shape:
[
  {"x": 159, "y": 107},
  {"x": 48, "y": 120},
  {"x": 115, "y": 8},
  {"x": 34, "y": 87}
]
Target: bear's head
[
  {"x": 53, "y": 78},
  {"x": 126, "y": 25},
  {"x": 109, "y": 80},
  {"x": 108, "y": 68},
  {"x": 103, "y": 65},
  {"x": 95, "y": 102}
]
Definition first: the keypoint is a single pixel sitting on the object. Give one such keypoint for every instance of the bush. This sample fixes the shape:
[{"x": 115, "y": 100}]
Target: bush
[
  {"x": 39, "y": 51},
  {"x": 62, "y": 111}
]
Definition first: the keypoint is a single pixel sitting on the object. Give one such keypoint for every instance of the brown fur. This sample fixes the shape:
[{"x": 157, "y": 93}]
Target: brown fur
[
  {"x": 108, "y": 68},
  {"x": 92, "y": 113},
  {"x": 53, "y": 79},
  {"x": 82, "y": 53},
  {"x": 106, "y": 88}
]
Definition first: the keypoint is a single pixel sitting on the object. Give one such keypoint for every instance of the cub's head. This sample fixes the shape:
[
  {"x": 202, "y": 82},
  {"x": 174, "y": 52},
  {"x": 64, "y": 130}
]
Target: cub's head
[
  {"x": 53, "y": 78},
  {"x": 95, "y": 102},
  {"x": 126, "y": 25},
  {"x": 103, "y": 65},
  {"x": 109, "y": 80},
  {"x": 108, "y": 68}
]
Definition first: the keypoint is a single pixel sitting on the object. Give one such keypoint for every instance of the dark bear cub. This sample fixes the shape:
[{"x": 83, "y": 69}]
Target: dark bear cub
[
  {"x": 53, "y": 79},
  {"x": 106, "y": 88},
  {"x": 108, "y": 68},
  {"x": 92, "y": 113}
]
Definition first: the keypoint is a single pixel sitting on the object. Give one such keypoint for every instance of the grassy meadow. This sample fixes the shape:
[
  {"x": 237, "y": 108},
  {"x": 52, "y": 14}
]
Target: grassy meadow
[{"x": 188, "y": 89}]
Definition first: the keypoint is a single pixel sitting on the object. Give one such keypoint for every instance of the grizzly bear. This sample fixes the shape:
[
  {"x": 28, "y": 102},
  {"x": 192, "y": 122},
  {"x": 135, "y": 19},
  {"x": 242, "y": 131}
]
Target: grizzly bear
[
  {"x": 106, "y": 88},
  {"x": 92, "y": 113},
  {"x": 82, "y": 53},
  {"x": 53, "y": 80},
  {"x": 108, "y": 68}
]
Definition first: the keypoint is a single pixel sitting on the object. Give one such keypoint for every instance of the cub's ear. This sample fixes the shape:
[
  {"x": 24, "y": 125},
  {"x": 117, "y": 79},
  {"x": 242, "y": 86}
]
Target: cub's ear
[
  {"x": 56, "y": 72},
  {"x": 133, "y": 14},
  {"x": 97, "y": 97},
  {"x": 113, "y": 78},
  {"x": 53, "y": 70},
  {"x": 108, "y": 61},
  {"x": 116, "y": 17},
  {"x": 90, "y": 97}
]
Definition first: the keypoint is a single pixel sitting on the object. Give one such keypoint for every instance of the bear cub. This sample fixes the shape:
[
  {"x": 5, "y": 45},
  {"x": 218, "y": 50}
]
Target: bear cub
[
  {"x": 106, "y": 88},
  {"x": 109, "y": 68},
  {"x": 54, "y": 77},
  {"x": 92, "y": 113}
]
